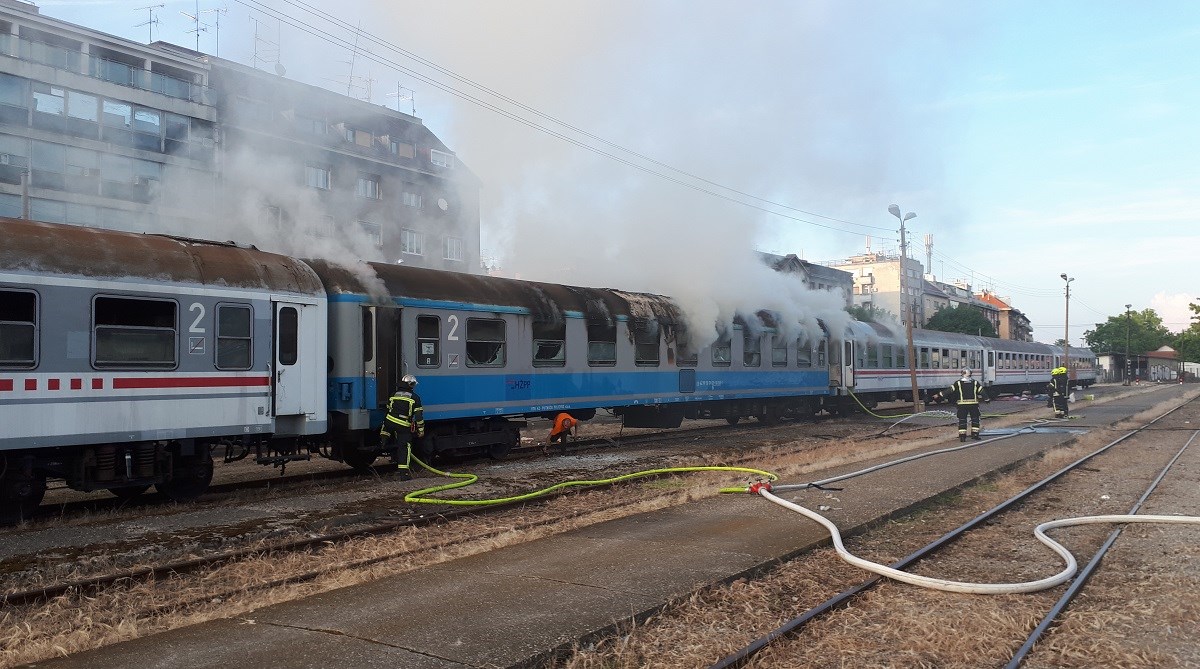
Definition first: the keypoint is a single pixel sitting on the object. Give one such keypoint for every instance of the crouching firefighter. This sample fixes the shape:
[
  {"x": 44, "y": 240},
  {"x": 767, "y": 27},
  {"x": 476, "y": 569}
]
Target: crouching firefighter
[
  {"x": 404, "y": 423},
  {"x": 966, "y": 393}
]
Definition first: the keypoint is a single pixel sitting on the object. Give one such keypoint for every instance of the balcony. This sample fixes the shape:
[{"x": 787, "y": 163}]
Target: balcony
[{"x": 106, "y": 69}]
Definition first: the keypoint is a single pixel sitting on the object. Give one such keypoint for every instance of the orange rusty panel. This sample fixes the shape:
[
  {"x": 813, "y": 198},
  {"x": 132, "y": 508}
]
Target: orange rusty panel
[{"x": 56, "y": 249}]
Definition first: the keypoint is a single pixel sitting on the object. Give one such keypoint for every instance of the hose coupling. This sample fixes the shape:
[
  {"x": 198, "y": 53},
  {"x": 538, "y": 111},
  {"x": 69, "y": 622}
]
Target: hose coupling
[{"x": 759, "y": 486}]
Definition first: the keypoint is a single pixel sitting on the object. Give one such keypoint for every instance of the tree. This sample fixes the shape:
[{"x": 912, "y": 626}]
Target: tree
[
  {"x": 964, "y": 319},
  {"x": 871, "y": 314},
  {"x": 1146, "y": 332}
]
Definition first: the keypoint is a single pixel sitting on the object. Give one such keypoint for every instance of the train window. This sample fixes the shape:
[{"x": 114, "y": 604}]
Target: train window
[
  {"x": 779, "y": 349},
  {"x": 751, "y": 350},
  {"x": 429, "y": 336},
  {"x": 485, "y": 342},
  {"x": 722, "y": 352},
  {"x": 132, "y": 332},
  {"x": 18, "y": 327},
  {"x": 991, "y": 358},
  {"x": 902, "y": 358},
  {"x": 954, "y": 360},
  {"x": 822, "y": 354},
  {"x": 602, "y": 343},
  {"x": 803, "y": 354},
  {"x": 889, "y": 356},
  {"x": 549, "y": 344},
  {"x": 233, "y": 336},
  {"x": 645, "y": 342},
  {"x": 924, "y": 358},
  {"x": 872, "y": 355},
  {"x": 289, "y": 335}
]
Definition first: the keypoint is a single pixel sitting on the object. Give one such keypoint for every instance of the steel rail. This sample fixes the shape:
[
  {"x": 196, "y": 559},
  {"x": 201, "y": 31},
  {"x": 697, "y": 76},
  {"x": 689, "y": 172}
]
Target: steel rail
[{"x": 790, "y": 628}]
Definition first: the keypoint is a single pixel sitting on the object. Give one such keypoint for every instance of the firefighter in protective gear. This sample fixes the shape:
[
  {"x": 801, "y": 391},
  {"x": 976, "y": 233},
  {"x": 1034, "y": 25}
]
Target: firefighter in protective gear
[
  {"x": 967, "y": 393},
  {"x": 1059, "y": 387},
  {"x": 404, "y": 423}
]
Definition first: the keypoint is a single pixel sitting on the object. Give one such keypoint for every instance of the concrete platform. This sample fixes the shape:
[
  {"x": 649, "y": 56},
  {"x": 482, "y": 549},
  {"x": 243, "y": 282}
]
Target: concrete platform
[{"x": 514, "y": 606}]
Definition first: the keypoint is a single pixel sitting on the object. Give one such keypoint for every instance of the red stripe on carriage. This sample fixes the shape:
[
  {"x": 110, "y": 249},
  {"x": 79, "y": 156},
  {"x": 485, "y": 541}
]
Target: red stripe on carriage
[
  {"x": 30, "y": 384},
  {"x": 97, "y": 384},
  {"x": 76, "y": 384},
  {"x": 52, "y": 384},
  {"x": 6, "y": 384},
  {"x": 190, "y": 382}
]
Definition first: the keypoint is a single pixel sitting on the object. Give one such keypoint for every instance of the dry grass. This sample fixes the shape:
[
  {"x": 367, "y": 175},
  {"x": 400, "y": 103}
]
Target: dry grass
[{"x": 711, "y": 624}]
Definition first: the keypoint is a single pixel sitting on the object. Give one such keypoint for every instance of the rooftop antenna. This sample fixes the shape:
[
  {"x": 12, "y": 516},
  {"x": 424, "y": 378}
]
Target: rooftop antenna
[
  {"x": 402, "y": 94},
  {"x": 929, "y": 251},
  {"x": 200, "y": 27},
  {"x": 153, "y": 20},
  {"x": 216, "y": 26},
  {"x": 352, "y": 82},
  {"x": 868, "y": 244},
  {"x": 265, "y": 51}
]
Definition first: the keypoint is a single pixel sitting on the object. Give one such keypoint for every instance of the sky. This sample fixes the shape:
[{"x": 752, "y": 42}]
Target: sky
[{"x": 653, "y": 145}]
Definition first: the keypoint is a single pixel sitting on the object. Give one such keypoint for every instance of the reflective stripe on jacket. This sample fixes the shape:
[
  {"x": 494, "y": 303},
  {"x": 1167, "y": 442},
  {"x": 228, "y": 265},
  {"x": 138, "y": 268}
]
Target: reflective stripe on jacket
[
  {"x": 967, "y": 391},
  {"x": 404, "y": 411}
]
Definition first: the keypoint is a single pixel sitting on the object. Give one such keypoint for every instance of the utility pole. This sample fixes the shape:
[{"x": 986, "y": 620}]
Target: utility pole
[
  {"x": 1067, "y": 330},
  {"x": 905, "y": 311},
  {"x": 1128, "y": 366}
]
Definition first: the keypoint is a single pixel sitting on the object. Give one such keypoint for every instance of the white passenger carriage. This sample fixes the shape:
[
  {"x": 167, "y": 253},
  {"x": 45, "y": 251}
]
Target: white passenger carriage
[{"x": 125, "y": 358}]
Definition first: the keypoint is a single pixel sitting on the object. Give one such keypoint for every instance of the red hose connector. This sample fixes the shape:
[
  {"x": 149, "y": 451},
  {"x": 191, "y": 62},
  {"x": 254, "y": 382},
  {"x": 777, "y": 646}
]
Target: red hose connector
[{"x": 758, "y": 486}]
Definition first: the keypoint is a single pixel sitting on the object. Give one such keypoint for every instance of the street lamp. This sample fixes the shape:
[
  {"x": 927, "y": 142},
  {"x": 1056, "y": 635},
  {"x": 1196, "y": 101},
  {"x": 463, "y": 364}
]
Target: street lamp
[
  {"x": 1128, "y": 366},
  {"x": 894, "y": 210},
  {"x": 1067, "y": 329}
]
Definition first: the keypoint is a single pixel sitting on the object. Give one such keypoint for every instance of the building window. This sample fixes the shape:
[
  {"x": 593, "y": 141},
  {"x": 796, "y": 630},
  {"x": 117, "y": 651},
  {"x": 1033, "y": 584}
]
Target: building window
[
  {"x": 233, "y": 337},
  {"x": 273, "y": 217},
  {"x": 373, "y": 231},
  {"x": 368, "y": 186},
  {"x": 363, "y": 138},
  {"x": 441, "y": 158},
  {"x": 401, "y": 149},
  {"x": 454, "y": 248},
  {"x": 412, "y": 199},
  {"x": 316, "y": 176},
  {"x": 83, "y": 106},
  {"x": 411, "y": 241},
  {"x": 133, "y": 333},
  {"x": 49, "y": 100},
  {"x": 18, "y": 329}
]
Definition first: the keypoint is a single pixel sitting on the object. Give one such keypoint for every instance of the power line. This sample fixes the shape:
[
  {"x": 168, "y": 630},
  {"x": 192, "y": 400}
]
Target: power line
[{"x": 319, "y": 33}]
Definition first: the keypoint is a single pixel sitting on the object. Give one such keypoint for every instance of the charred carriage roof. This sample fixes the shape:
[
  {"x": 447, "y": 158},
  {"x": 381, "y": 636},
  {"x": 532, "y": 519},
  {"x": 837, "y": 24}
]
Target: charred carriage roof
[
  {"x": 54, "y": 248},
  {"x": 547, "y": 302}
]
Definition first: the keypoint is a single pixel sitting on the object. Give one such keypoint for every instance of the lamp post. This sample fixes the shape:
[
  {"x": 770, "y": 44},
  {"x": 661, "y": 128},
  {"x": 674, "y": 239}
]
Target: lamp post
[
  {"x": 894, "y": 210},
  {"x": 1128, "y": 366},
  {"x": 1067, "y": 329}
]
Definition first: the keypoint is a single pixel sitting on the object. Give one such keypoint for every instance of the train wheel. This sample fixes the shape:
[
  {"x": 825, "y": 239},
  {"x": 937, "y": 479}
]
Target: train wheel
[
  {"x": 498, "y": 451},
  {"x": 128, "y": 492},
  {"x": 190, "y": 478},
  {"x": 20, "y": 495},
  {"x": 357, "y": 458},
  {"x": 732, "y": 420}
]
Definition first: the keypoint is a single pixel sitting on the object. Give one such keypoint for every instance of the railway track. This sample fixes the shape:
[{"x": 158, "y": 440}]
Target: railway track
[
  {"x": 82, "y": 504},
  {"x": 875, "y": 622}
]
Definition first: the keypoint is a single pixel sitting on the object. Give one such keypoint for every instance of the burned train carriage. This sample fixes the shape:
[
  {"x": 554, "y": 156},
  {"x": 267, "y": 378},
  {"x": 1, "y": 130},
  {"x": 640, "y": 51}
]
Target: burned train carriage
[
  {"x": 489, "y": 352},
  {"x": 125, "y": 358}
]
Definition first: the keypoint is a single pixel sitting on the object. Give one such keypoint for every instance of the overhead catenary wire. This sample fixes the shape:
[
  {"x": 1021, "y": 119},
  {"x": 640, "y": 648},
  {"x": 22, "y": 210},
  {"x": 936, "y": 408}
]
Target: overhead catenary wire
[{"x": 704, "y": 186}]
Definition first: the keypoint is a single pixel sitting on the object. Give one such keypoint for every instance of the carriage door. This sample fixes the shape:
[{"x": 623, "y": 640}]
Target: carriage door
[
  {"x": 299, "y": 362},
  {"x": 989, "y": 369},
  {"x": 848, "y": 364},
  {"x": 834, "y": 363},
  {"x": 388, "y": 365}
]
